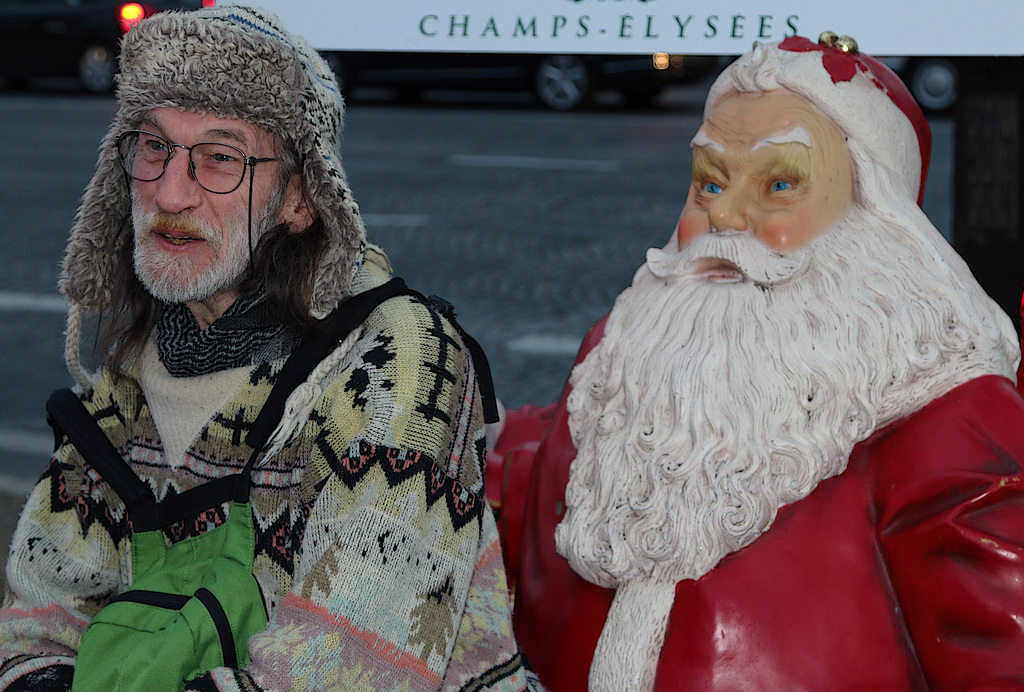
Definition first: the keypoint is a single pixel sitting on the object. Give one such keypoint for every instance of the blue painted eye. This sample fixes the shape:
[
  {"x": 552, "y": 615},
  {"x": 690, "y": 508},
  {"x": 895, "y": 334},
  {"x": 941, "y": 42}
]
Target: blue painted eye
[
  {"x": 713, "y": 188},
  {"x": 781, "y": 186}
]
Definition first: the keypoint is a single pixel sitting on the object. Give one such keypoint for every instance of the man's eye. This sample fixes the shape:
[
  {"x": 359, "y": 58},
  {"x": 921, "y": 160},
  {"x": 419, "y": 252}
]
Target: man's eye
[
  {"x": 223, "y": 158},
  {"x": 712, "y": 188},
  {"x": 781, "y": 186},
  {"x": 153, "y": 144}
]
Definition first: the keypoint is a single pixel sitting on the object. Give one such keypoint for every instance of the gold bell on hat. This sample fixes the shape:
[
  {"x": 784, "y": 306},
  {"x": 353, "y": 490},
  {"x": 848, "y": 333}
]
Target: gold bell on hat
[{"x": 846, "y": 44}]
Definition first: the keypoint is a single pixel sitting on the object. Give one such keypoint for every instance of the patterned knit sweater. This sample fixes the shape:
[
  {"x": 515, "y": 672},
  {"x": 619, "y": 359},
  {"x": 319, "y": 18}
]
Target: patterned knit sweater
[{"x": 374, "y": 548}]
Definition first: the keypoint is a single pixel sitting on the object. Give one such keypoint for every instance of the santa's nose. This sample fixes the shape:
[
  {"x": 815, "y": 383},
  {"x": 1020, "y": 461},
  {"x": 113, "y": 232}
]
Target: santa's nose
[{"x": 727, "y": 212}]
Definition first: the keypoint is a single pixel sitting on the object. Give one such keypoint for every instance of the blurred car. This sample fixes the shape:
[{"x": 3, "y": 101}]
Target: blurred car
[
  {"x": 562, "y": 82},
  {"x": 71, "y": 38}
]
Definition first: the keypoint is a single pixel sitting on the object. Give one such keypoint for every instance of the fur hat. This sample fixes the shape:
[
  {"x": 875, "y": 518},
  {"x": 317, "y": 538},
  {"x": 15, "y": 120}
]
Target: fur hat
[
  {"x": 232, "y": 62},
  {"x": 863, "y": 97}
]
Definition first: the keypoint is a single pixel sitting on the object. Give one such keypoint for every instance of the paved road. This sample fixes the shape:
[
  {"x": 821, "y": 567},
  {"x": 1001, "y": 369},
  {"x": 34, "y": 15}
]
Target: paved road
[{"x": 529, "y": 221}]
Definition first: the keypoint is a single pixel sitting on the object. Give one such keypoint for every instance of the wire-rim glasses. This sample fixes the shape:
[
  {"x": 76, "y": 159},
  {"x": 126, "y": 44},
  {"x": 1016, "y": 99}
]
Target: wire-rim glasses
[{"x": 217, "y": 167}]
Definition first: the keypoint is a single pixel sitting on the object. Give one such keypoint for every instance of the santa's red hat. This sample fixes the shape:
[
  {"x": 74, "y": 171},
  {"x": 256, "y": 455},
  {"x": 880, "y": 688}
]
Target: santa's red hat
[{"x": 863, "y": 97}]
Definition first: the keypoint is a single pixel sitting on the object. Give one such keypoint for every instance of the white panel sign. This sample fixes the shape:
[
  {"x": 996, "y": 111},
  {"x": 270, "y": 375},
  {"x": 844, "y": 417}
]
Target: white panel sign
[{"x": 882, "y": 27}]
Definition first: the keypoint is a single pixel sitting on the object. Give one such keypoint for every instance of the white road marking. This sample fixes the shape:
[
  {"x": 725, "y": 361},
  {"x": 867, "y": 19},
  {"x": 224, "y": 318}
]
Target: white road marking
[
  {"x": 536, "y": 163},
  {"x": 23, "y": 442},
  {"x": 37, "y": 449},
  {"x": 32, "y": 302},
  {"x": 12, "y": 486},
  {"x": 406, "y": 220},
  {"x": 545, "y": 345}
]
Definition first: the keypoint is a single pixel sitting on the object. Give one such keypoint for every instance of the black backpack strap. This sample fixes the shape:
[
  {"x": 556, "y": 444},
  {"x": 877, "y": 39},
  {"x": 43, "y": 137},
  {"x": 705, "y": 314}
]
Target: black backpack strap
[
  {"x": 68, "y": 416},
  {"x": 313, "y": 349},
  {"x": 476, "y": 352},
  {"x": 346, "y": 317}
]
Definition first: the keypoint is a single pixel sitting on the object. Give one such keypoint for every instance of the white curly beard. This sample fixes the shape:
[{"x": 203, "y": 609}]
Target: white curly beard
[
  {"x": 709, "y": 405},
  {"x": 181, "y": 277}
]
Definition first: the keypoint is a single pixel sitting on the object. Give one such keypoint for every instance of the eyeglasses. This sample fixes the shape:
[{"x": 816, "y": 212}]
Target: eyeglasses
[{"x": 217, "y": 167}]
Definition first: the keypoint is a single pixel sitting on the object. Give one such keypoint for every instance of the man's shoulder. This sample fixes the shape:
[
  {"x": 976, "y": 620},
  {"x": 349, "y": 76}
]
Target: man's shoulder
[
  {"x": 409, "y": 321},
  {"x": 414, "y": 325},
  {"x": 406, "y": 356}
]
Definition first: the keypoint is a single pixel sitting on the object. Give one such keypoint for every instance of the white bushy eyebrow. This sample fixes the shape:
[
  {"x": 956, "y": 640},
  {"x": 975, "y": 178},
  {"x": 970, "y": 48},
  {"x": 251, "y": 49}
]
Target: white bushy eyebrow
[
  {"x": 797, "y": 135},
  {"x": 703, "y": 139}
]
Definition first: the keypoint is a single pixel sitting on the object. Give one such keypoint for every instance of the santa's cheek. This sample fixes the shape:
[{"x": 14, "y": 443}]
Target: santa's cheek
[
  {"x": 692, "y": 224},
  {"x": 789, "y": 230}
]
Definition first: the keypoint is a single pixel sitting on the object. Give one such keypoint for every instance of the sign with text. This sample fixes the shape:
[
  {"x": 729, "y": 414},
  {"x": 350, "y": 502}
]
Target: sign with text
[{"x": 881, "y": 27}]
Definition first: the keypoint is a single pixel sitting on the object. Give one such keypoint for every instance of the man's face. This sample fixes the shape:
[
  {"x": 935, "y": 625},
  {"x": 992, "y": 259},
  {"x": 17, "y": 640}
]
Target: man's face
[
  {"x": 192, "y": 245},
  {"x": 771, "y": 164}
]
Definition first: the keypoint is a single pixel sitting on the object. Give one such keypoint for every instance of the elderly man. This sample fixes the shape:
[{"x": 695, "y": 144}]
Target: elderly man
[
  {"x": 351, "y": 551},
  {"x": 790, "y": 457}
]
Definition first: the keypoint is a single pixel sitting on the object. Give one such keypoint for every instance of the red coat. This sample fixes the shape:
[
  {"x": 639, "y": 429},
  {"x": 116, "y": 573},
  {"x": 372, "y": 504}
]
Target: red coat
[
  {"x": 1020, "y": 367},
  {"x": 906, "y": 572}
]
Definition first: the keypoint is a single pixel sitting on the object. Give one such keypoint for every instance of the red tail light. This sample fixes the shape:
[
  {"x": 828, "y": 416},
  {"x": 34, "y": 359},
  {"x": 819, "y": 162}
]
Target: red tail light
[{"x": 130, "y": 14}]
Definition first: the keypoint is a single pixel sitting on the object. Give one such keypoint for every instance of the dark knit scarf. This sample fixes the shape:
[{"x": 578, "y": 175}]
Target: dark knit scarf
[{"x": 246, "y": 334}]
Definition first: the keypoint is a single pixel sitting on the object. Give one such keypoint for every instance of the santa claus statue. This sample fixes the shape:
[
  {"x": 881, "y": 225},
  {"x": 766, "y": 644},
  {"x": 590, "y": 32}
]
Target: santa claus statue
[{"x": 790, "y": 457}]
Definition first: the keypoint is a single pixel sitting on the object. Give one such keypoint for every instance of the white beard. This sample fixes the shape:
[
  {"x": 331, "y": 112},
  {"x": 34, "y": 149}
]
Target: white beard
[
  {"x": 707, "y": 406},
  {"x": 173, "y": 278}
]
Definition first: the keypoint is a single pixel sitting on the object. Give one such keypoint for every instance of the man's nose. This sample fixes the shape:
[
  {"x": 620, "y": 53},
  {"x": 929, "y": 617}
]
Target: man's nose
[
  {"x": 177, "y": 189},
  {"x": 728, "y": 211}
]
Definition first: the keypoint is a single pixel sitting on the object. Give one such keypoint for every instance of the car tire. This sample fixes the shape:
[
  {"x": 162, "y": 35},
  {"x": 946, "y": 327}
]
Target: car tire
[
  {"x": 933, "y": 83},
  {"x": 96, "y": 68},
  {"x": 563, "y": 82}
]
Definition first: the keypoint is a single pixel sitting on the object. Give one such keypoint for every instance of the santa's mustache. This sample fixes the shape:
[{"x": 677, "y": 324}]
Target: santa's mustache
[{"x": 728, "y": 253}]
